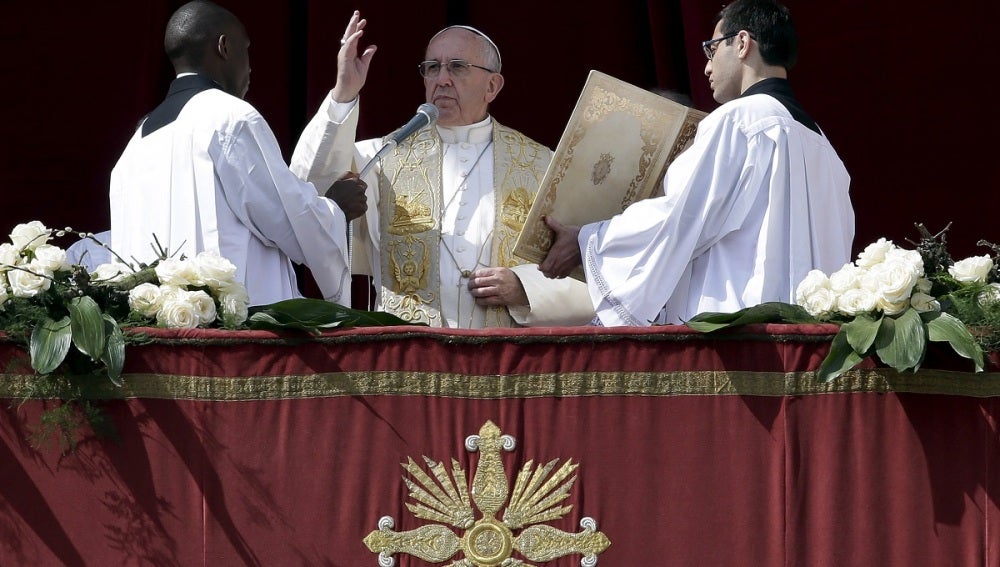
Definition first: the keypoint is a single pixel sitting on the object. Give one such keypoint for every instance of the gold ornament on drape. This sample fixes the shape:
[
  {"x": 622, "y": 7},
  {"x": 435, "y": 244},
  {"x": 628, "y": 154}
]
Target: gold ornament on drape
[{"x": 535, "y": 498}]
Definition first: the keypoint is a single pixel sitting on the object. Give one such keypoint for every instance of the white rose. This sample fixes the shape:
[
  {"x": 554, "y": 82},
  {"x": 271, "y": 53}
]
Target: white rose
[
  {"x": 892, "y": 307},
  {"x": 909, "y": 256},
  {"x": 51, "y": 258},
  {"x": 990, "y": 295},
  {"x": 233, "y": 300},
  {"x": 39, "y": 268},
  {"x": 177, "y": 312},
  {"x": 924, "y": 303},
  {"x": 815, "y": 280},
  {"x": 892, "y": 280},
  {"x": 28, "y": 236},
  {"x": 848, "y": 277},
  {"x": 214, "y": 270},
  {"x": 204, "y": 305},
  {"x": 874, "y": 253},
  {"x": 4, "y": 296},
  {"x": 9, "y": 255},
  {"x": 24, "y": 283},
  {"x": 820, "y": 303},
  {"x": 145, "y": 299},
  {"x": 972, "y": 270},
  {"x": 112, "y": 272},
  {"x": 178, "y": 273},
  {"x": 856, "y": 301}
]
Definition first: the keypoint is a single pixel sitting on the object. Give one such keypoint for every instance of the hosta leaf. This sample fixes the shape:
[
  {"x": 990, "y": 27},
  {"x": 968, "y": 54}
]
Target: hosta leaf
[
  {"x": 861, "y": 332},
  {"x": 902, "y": 341},
  {"x": 50, "y": 341},
  {"x": 840, "y": 359},
  {"x": 88, "y": 326},
  {"x": 314, "y": 315},
  {"x": 771, "y": 312},
  {"x": 114, "y": 350},
  {"x": 942, "y": 327}
]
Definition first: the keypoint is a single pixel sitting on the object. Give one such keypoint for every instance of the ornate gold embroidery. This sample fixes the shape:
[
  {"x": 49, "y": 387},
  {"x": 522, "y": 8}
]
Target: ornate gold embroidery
[
  {"x": 410, "y": 265},
  {"x": 561, "y": 385},
  {"x": 488, "y": 542},
  {"x": 410, "y": 216},
  {"x": 518, "y": 170},
  {"x": 409, "y": 256},
  {"x": 516, "y": 205}
]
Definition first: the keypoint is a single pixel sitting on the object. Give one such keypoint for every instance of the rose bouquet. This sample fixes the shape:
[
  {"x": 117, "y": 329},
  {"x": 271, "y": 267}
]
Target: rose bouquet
[
  {"x": 59, "y": 309},
  {"x": 890, "y": 302},
  {"x": 71, "y": 319}
]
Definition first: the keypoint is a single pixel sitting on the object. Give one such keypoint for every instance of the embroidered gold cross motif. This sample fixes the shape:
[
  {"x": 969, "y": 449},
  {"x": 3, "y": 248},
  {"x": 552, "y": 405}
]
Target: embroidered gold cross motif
[{"x": 488, "y": 542}]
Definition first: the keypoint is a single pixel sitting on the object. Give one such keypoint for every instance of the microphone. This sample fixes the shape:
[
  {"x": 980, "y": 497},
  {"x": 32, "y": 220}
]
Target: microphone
[{"x": 427, "y": 115}]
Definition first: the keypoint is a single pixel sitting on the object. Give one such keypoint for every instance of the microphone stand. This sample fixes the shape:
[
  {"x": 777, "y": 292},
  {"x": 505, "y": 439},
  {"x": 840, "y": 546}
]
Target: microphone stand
[{"x": 388, "y": 147}]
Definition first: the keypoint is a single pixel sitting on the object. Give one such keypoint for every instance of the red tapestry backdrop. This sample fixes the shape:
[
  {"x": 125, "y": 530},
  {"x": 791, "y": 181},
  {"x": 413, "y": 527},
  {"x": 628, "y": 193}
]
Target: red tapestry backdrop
[
  {"x": 253, "y": 448},
  {"x": 897, "y": 90}
]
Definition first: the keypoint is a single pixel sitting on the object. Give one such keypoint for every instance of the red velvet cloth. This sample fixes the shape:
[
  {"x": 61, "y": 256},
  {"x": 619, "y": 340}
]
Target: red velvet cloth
[{"x": 683, "y": 478}]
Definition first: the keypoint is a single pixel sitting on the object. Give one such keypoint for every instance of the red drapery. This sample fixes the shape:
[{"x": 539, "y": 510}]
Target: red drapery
[{"x": 254, "y": 448}]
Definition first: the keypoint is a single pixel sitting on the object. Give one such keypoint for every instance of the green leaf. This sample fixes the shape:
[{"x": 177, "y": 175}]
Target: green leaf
[
  {"x": 314, "y": 315},
  {"x": 902, "y": 340},
  {"x": 88, "y": 326},
  {"x": 114, "y": 350},
  {"x": 771, "y": 312},
  {"x": 50, "y": 341},
  {"x": 841, "y": 358},
  {"x": 942, "y": 327},
  {"x": 861, "y": 332}
]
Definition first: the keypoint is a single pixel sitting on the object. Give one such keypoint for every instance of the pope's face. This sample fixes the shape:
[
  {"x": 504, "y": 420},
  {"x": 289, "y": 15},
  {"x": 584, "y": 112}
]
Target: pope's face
[{"x": 461, "y": 98}]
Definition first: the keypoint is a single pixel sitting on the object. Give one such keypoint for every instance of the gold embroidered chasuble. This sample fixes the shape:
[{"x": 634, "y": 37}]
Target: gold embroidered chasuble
[{"x": 410, "y": 186}]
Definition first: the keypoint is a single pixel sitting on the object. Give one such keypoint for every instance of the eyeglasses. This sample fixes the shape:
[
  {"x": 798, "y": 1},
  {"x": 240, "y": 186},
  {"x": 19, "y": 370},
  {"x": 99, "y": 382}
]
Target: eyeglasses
[
  {"x": 456, "y": 68},
  {"x": 711, "y": 45}
]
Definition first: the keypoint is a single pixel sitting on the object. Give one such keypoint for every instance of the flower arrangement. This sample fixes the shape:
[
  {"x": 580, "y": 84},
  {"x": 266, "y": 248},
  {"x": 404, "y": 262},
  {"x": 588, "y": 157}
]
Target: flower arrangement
[
  {"x": 71, "y": 319},
  {"x": 890, "y": 302},
  {"x": 59, "y": 308}
]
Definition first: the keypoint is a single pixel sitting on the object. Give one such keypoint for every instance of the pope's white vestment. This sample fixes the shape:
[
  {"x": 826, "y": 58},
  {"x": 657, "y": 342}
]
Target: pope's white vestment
[{"x": 465, "y": 177}]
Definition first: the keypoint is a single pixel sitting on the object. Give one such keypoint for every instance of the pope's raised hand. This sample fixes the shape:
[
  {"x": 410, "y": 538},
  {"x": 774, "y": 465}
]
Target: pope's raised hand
[{"x": 352, "y": 67}]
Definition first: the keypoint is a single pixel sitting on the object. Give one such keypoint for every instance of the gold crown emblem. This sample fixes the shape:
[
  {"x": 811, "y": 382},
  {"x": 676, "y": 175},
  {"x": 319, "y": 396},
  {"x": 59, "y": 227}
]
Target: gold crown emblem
[{"x": 488, "y": 542}]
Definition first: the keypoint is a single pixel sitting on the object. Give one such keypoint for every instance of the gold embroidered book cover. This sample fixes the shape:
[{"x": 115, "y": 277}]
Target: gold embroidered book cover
[{"x": 614, "y": 151}]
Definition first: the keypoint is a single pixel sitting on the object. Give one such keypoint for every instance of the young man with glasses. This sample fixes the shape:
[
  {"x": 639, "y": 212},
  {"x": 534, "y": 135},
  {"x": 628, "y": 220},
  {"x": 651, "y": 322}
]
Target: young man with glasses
[
  {"x": 758, "y": 200},
  {"x": 447, "y": 204}
]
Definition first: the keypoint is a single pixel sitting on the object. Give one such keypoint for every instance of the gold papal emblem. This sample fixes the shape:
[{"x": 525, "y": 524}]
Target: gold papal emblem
[
  {"x": 487, "y": 541},
  {"x": 602, "y": 167}
]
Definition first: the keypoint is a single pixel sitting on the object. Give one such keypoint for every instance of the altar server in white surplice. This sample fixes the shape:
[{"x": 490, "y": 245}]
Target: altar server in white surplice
[
  {"x": 204, "y": 172},
  {"x": 446, "y": 206},
  {"x": 758, "y": 200}
]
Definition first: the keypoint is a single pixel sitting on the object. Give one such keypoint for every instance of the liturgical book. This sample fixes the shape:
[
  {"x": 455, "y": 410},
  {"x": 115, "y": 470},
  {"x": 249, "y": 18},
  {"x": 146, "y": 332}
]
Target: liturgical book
[{"x": 614, "y": 151}]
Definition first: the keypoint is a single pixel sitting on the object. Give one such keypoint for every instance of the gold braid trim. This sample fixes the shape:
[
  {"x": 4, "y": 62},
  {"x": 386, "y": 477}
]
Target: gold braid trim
[
  {"x": 519, "y": 163},
  {"x": 558, "y": 385}
]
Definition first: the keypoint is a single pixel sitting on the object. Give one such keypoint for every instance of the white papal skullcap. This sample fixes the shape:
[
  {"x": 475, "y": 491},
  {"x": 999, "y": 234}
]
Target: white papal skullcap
[{"x": 480, "y": 34}]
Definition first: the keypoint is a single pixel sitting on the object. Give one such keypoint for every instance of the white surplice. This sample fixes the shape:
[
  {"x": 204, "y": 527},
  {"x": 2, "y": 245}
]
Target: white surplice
[
  {"x": 754, "y": 204},
  {"x": 214, "y": 180}
]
